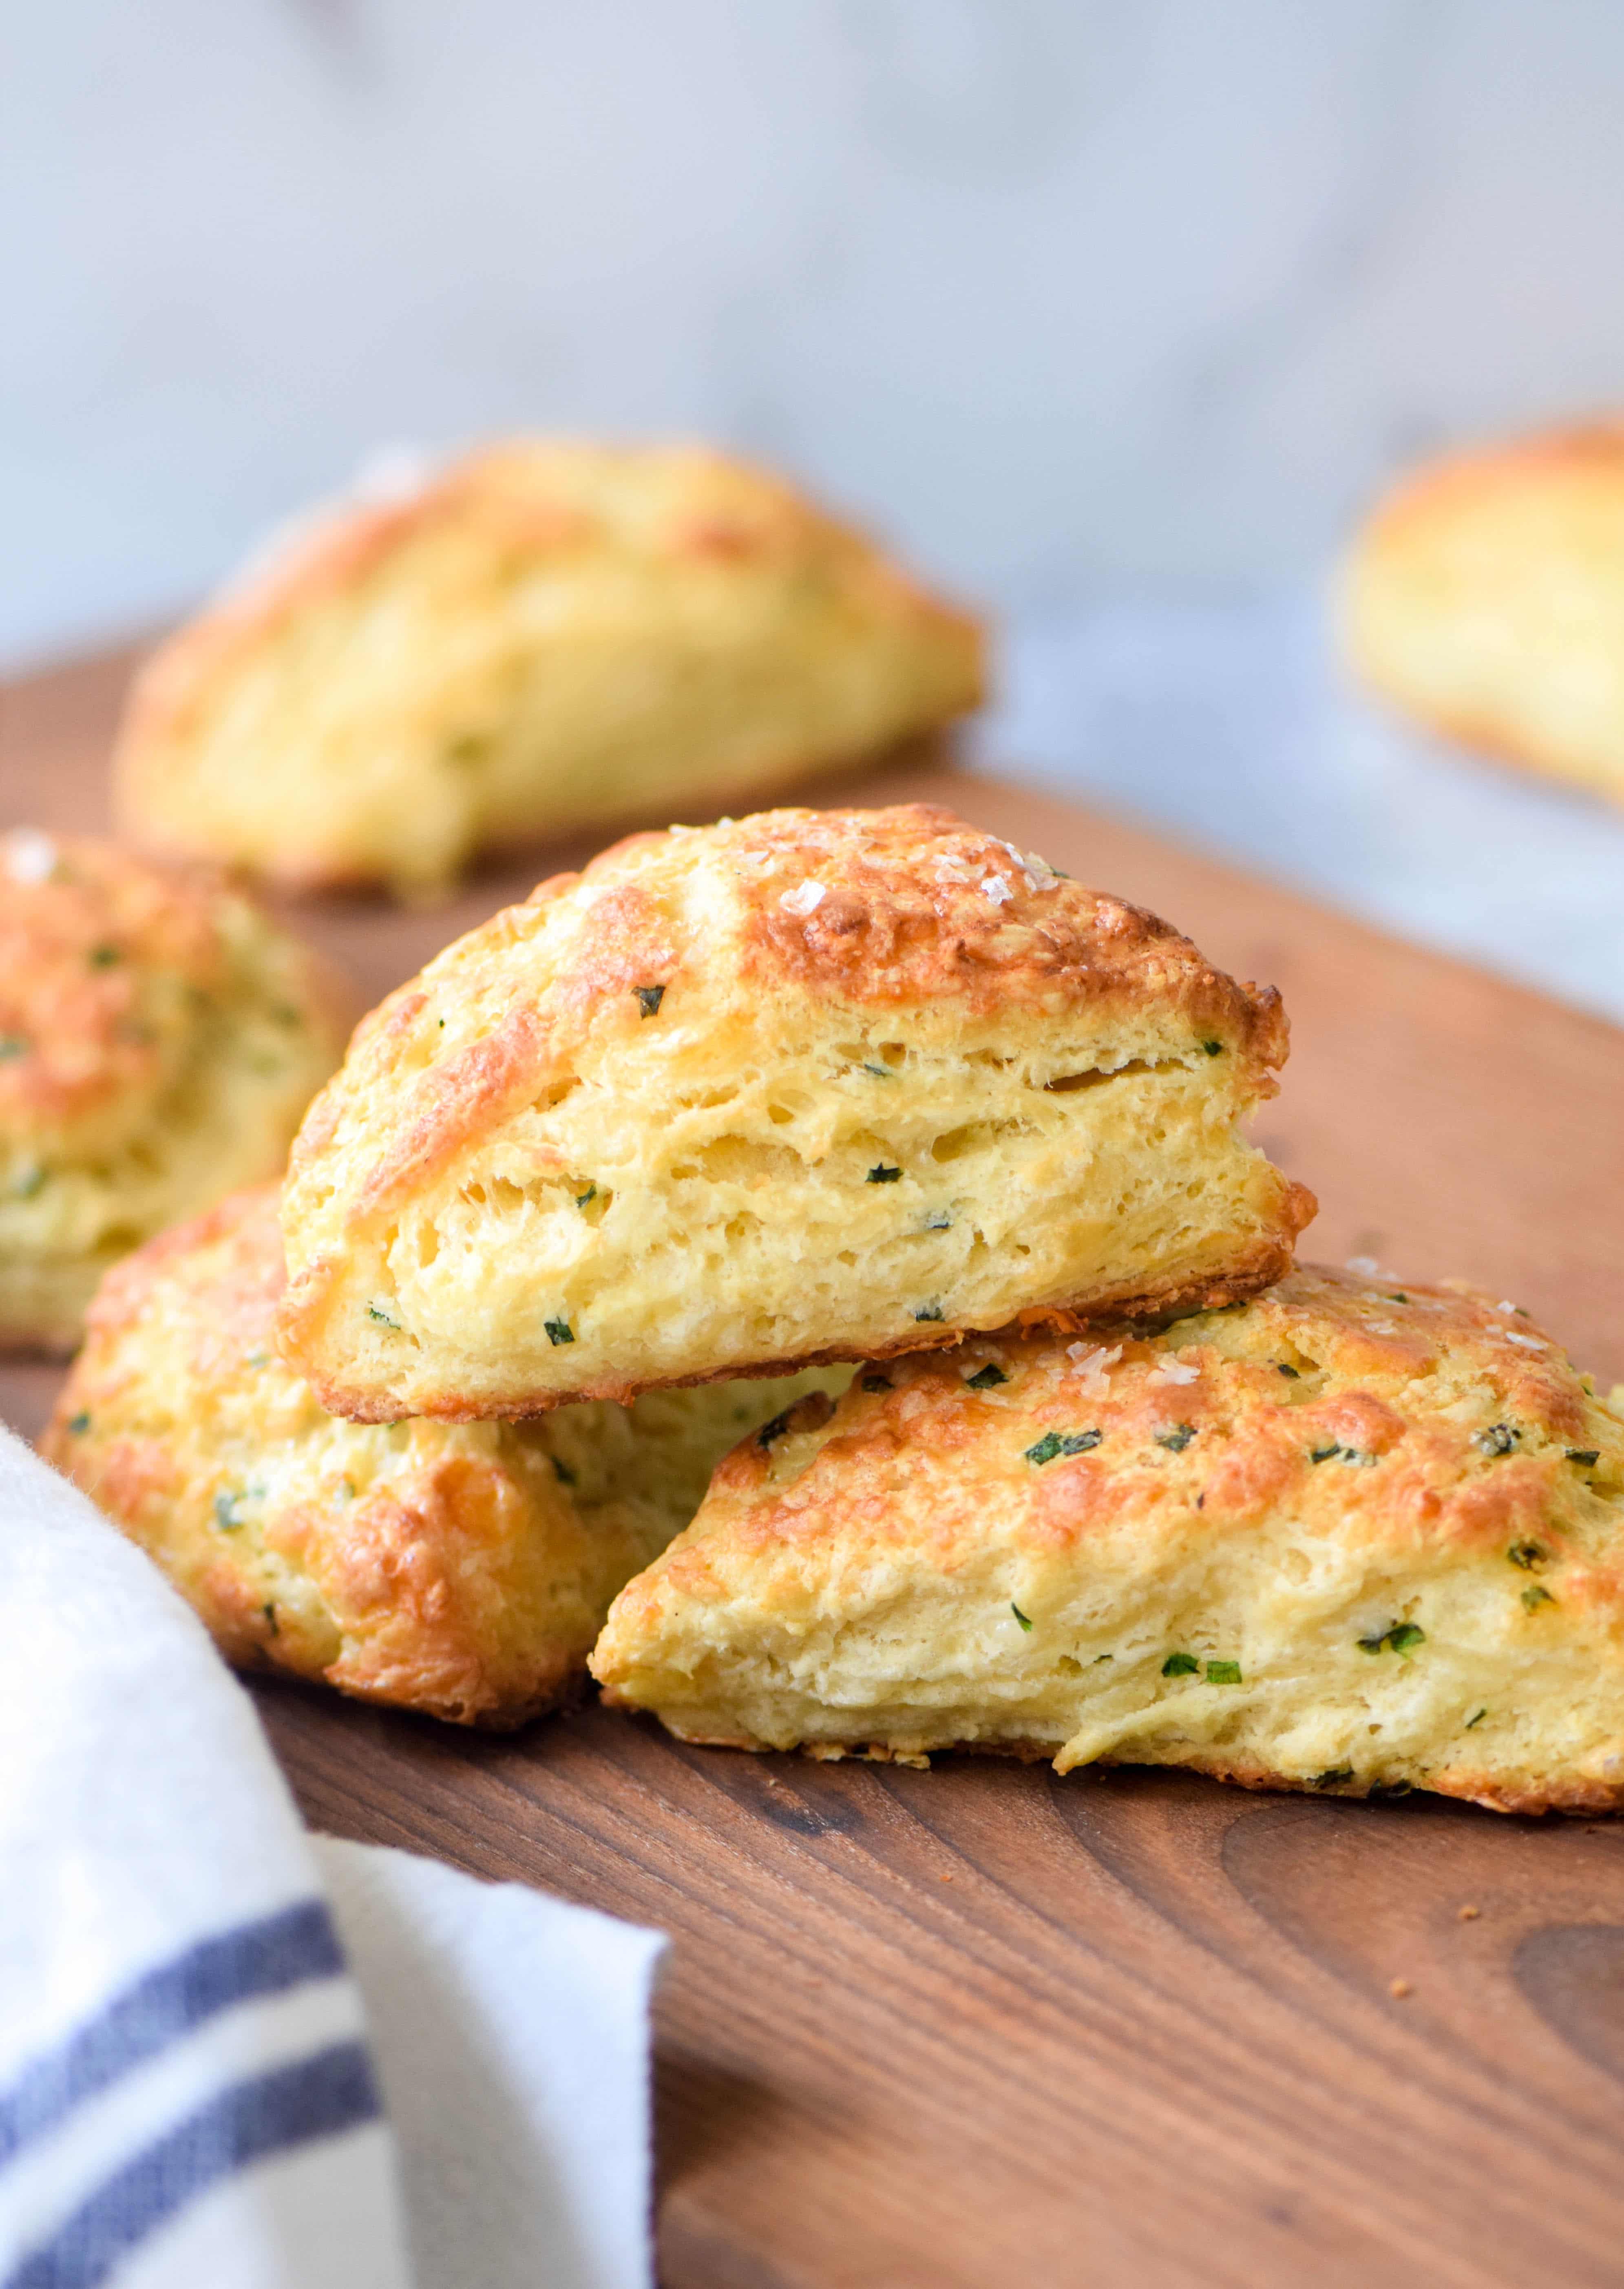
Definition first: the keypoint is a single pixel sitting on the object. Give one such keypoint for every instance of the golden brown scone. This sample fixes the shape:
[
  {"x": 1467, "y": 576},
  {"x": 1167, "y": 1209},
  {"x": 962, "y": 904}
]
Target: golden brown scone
[
  {"x": 159, "y": 1039},
  {"x": 1486, "y": 597},
  {"x": 463, "y": 1570},
  {"x": 1349, "y": 1537},
  {"x": 547, "y": 635},
  {"x": 804, "y": 1087}
]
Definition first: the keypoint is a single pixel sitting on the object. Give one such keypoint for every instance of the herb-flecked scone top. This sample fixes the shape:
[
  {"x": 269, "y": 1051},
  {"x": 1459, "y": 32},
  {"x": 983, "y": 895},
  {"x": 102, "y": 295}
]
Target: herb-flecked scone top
[
  {"x": 802, "y": 1087},
  {"x": 160, "y": 1037},
  {"x": 460, "y": 1569},
  {"x": 1352, "y": 1536},
  {"x": 543, "y": 635}
]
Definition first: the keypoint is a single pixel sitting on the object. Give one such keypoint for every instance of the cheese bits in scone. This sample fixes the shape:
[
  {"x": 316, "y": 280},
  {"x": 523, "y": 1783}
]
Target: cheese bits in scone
[
  {"x": 1350, "y": 1537},
  {"x": 462, "y": 1570},
  {"x": 1486, "y": 597},
  {"x": 804, "y": 1087},
  {"x": 159, "y": 1040},
  {"x": 545, "y": 635}
]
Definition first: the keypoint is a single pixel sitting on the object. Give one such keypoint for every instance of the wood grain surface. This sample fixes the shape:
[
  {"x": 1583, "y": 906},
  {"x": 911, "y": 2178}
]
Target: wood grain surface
[{"x": 979, "y": 2026}]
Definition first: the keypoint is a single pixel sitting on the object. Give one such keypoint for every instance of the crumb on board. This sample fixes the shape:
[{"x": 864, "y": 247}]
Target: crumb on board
[
  {"x": 1398, "y": 1989},
  {"x": 1469, "y": 1914}
]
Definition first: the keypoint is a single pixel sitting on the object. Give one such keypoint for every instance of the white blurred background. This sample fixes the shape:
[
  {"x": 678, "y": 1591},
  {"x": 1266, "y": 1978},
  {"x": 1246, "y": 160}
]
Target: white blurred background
[{"x": 1098, "y": 306}]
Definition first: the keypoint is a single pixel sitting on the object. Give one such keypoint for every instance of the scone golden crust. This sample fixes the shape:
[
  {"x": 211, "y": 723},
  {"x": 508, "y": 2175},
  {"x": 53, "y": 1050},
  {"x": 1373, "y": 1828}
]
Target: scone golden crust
[
  {"x": 461, "y": 1570},
  {"x": 546, "y": 635},
  {"x": 1350, "y": 1537},
  {"x": 803, "y": 1086},
  {"x": 159, "y": 1040},
  {"x": 1486, "y": 597}
]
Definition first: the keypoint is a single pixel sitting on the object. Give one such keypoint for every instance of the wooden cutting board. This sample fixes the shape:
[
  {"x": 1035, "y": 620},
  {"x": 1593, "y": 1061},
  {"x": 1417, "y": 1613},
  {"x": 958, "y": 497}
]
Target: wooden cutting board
[{"x": 979, "y": 2026}]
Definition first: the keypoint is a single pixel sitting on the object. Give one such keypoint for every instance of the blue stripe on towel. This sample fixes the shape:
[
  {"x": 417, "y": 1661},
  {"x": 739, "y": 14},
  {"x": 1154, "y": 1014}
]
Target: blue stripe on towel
[
  {"x": 317, "y": 2097},
  {"x": 265, "y": 1957}
]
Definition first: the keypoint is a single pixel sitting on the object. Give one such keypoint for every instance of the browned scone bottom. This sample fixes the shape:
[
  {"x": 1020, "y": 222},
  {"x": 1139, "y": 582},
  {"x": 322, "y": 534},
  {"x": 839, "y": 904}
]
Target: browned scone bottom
[
  {"x": 1351, "y": 1537},
  {"x": 808, "y": 1086},
  {"x": 461, "y": 1570}
]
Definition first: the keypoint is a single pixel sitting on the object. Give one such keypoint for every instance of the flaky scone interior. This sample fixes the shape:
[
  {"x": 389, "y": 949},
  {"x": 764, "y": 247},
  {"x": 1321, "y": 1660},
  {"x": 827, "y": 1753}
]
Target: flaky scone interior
[
  {"x": 541, "y": 635},
  {"x": 1353, "y": 1536},
  {"x": 804, "y": 1087},
  {"x": 459, "y": 1569}
]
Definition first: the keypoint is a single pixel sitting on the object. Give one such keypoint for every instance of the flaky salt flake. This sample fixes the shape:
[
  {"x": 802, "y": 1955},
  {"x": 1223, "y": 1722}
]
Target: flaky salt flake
[
  {"x": 1382, "y": 1327},
  {"x": 30, "y": 856},
  {"x": 997, "y": 887},
  {"x": 1506, "y": 1305},
  {"x": 1172, "y": 1370},
  {"x": 1090, "y": 1360},
  {"x": 1038, "y": 873},
  {"x": 1366, "y": 1266},
  {"x": 804, "y": 900},
  {"x": 1529, "y": 1343}
]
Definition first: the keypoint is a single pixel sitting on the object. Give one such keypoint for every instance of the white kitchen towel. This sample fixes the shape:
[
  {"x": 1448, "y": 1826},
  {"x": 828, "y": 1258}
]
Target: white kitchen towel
[{"x": 196, "y": 2093}]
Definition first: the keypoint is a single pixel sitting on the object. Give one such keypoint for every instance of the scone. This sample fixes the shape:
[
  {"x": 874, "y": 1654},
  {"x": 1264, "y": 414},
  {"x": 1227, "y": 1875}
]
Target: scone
[
  {"x": 1486, "y": 597},
  {"x": 461, "y": 1570},
  {"x": 1349, "y": 1537},
  {"x": 546, "y": 635},
  {"x": 804, "y": 1087},
  {"x": 159, "y": 1040}
]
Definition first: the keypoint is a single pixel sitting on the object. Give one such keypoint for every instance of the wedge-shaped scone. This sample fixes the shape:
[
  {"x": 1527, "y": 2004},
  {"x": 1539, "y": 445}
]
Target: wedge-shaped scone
[
  {"x": 159, "y": 1040},
  {"x": 1349, "y": 1536},
  {"x": 542, "y": 637},
  {"x": 1486, "y": 597},
  {"x": 463, "y": 1570},
  {"x": 804, "y": 1087}
]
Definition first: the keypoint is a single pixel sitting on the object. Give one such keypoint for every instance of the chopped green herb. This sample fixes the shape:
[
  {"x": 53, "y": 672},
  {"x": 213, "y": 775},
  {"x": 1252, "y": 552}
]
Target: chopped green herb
[
  {"x": 775, "y": 1429},
  {"x": 1399, "y": 1299},
  {"x": 876, "y": 1383},
  {"x": 1477, "y": 1720},
  {"x": 270, "y": 1615},
  {"x": 1176, "y": 1440},
  {"x": 1528, "y": 1555},
  {"x": 1498, "y": 1439},
  {"x": 1180, "y": 1664},
  {"x": 929, "y": 1312},
  {"x": 883, "y": 1174},
  {"x": 346, "y": 1489},
  {"x": 377, "y": 1312},
  {"x": 1224, "y": 1672},
  {"x": 985, "y": 1377},
  {"x": 103, "y": 957},
  {"x": 1290, "y": 1373},
  {"x": 649, "y": 998},
  {"x": 1212, "y": 1048},
  {"x": 1535, "y": 1596},
  {"x": 1334, "y": 1776},
  {"x": 562, "y": 1472},
  {"x": 441, "y": 1022},
  {"x": 559, "y": 1331},
  {"x": 31, "y": 1180},
  {"x": 225, "y": 1512},
  {"x": 12, "y": 1045},
  {"x": 880, "y": 1072},
  {"x": 1052, "y": 1444},
  {"x": 258, "y": 1360},
  {"x": 939, "y": 1220},
  {"x": 78, "y": 1425},
  {"x": 1587, "y": 1457},
  {"x": 1400, "y": 1638},
  {"x": 1019, "y": 1615},
  {"x": 582, "y": 1198},
  {"x": 1324, "y": 1454}
]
